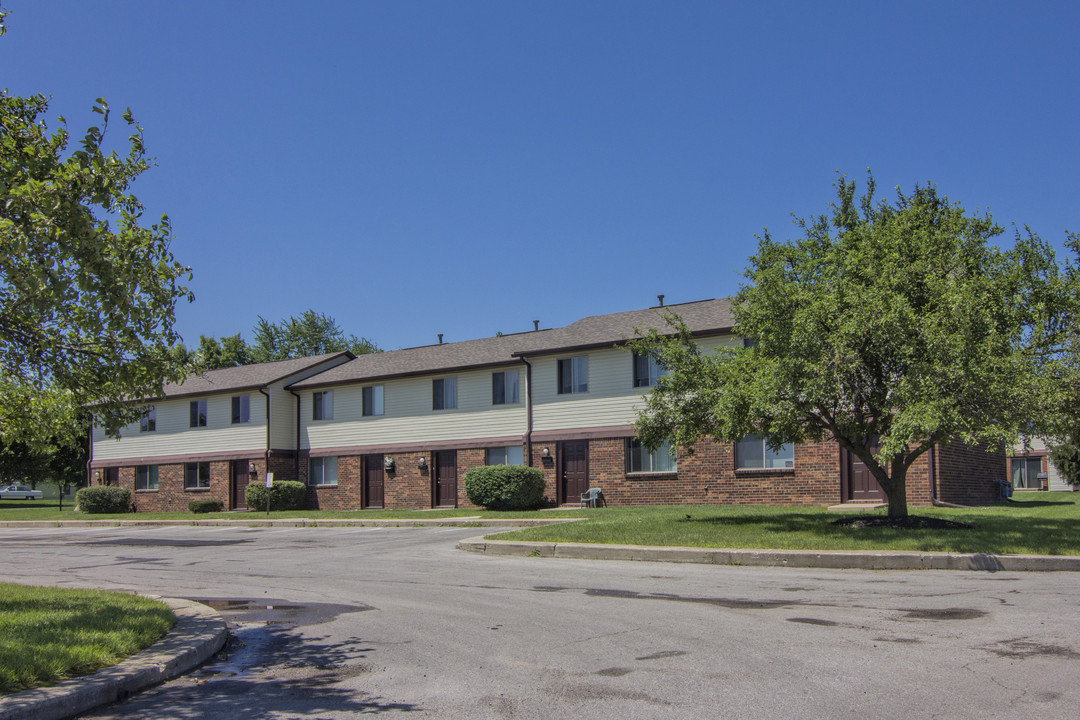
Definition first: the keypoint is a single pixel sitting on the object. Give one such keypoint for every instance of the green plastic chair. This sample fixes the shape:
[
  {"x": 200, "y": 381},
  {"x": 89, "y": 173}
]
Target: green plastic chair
[{"x": 590, "y": 497}]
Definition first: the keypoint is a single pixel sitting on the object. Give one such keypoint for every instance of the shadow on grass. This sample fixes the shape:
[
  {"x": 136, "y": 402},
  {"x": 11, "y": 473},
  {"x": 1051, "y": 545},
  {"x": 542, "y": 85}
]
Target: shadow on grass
[{"x": 1021, "y": 504}]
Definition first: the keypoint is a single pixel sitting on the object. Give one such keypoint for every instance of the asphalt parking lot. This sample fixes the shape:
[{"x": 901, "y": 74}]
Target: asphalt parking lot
[{"x": 340, "y": 622}]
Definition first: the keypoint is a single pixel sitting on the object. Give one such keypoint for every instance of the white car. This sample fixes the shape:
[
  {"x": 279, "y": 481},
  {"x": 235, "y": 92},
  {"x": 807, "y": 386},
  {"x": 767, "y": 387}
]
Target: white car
[{"x": 17, "y": 492}]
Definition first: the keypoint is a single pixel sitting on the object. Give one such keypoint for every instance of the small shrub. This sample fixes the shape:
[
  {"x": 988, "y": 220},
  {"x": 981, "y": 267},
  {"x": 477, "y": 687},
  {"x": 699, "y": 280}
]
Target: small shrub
[
  {"x": 285, "y": 495},
  {"x": 104, "y": 499},
  {"x": 505, "y": 487},
  {"x": 205, "y": 506}
]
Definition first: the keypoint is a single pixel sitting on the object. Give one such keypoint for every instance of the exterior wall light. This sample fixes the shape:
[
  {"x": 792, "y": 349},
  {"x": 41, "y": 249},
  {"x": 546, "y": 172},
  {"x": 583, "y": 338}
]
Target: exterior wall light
[
  {"x": 251, "y": 468},
  {"x": 423, "y": 463},
  {"x": 546, "y": 452}
]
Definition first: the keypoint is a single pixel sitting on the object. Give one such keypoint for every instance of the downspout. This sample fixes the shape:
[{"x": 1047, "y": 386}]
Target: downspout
[
  {"x": 933, "y": 473},
  {"x": 296, "y": 455},
  {"x": 528, "y": 412},
  {"x": 89, "y": 455},
  {"x": 265, "y": 394}
]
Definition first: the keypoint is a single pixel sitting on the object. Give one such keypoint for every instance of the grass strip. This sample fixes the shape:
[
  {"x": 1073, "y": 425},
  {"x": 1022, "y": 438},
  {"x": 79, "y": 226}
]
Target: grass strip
[
  {"x": 49, "y": 634},
  {"x": 1038, "y": 523}
]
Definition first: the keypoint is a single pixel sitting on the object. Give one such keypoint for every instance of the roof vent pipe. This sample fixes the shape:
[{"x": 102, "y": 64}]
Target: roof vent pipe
[
  {"x": 661, "y": 299},
  {"x": 440, "y": 338},
  {"x": 536, "y": 325}
]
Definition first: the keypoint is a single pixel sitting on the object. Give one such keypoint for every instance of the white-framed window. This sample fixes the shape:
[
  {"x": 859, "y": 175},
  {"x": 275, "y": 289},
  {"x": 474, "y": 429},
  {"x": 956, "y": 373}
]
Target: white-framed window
[
  {"x": 504, "y": 387},
  {"x": 241, "y": 409},
  {"x": 444, "y": 393},
  {"x": 373, "y": 400},
  {"x": 197, "y": 413},
  {"x": 574, "y": 375},
  {"x": 322, "y": 471},
  {"x": 751, "y": 453},
  {"x": 146, "y": 477},
  {"x": 512, "y": 455},
  {"x": 640, "y": 460},
  {"x": 647, "y": 370},
  {"x": 148, "y": 422},
  {"x": 196, "y": 475},
  {"x": 322, "y": 405}
]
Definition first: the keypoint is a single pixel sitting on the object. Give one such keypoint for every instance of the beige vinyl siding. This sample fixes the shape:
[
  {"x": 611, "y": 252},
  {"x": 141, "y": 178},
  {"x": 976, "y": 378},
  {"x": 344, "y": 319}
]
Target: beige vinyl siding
[
  {"x": 174, "y": 437},
  {"x": 611, "y": 399},
  {"x": 282, "y": 417},
  {"x": 408, "y": 416}
]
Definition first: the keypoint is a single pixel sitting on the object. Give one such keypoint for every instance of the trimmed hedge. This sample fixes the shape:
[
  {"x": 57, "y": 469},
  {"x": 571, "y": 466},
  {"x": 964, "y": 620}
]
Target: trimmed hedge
[
  {"x": 103, "y": 499},
  {"x": 285, "y": 495},
  {"x": 505, "y": 487},
  {"x": 205, "y": 506}
]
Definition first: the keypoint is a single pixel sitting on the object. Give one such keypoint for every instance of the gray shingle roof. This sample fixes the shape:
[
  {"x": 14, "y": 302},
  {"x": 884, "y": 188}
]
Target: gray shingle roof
[
  {"x": 595, "y": 331},
  {"x": 246, "y": 376}
]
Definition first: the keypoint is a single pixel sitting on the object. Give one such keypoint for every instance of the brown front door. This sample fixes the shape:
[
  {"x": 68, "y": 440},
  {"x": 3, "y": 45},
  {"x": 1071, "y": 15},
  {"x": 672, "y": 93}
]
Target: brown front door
[
  {"x": 373, "y": 481},
  {"x": 860, "y": 483},
  {"x": 445, "y": 478},
  {"x": 238, "y": 471},
  {"x": 575, "y": 469}
]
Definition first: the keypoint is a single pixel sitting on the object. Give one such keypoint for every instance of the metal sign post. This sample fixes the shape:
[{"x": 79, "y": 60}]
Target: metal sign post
[{"x": 269, "y": 485}]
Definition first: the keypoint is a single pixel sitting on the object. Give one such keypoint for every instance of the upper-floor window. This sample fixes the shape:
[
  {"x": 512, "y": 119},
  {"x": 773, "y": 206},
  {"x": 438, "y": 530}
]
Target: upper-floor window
[
  {"x": 444, "y": 394},
  {"x": 640, "y": 460},
  {"x": 752, "y": 453},
  {"x": 148, "y": 422},
  {"x": 749, "y": 342},
  {"x": 322, "y": 405},
  {"x": 198, "y": 413},
  {"x": 513, "y": 455},
  {"x": 196, "y": 475},
  {"x": 504, "y": 387},
  {"x": 322, "y": 471},
  {"x": 647, "y": 370},
  {"x": 373, "y": 400},
  {"x": 241, "y": 409},
  {"x": 146, "y": 477},
  {"x": 574, "y": 375}
]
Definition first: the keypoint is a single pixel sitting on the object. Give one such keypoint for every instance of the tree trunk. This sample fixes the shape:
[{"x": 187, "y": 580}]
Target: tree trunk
[{"x": 897, "y": 490}]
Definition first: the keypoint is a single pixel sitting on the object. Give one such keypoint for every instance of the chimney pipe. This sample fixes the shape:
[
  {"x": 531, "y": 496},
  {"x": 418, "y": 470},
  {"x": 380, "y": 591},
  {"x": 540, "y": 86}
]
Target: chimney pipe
[
  {"x": 661, "y": 299},
  {"x": 536, "y": 325},
  {"x": 440, "y": 338}
]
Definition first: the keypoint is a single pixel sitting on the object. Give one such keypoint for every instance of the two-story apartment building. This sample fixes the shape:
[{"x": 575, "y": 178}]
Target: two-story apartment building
[{"x": 399, "y": 429}]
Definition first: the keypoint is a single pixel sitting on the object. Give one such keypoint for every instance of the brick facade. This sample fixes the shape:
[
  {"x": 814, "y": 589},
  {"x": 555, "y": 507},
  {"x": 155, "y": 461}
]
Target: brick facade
[{"x": 962, "y": 474}]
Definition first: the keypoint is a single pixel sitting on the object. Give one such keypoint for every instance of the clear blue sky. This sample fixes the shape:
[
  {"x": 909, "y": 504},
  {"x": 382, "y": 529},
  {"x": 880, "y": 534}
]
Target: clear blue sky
[{"x": 466, "y": 167}]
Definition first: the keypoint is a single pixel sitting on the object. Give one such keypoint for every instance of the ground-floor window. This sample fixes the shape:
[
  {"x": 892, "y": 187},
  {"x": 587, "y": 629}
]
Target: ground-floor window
[
  {"x": 1025, "y": 473},
  {"x": 146, "y": 477},
  {"x": 640, "y": 460},
  {"x": 752, "y": 453},
  {"x": 322, "y": 471},
  {"x": 513, "y": 455},
  {"x": 196, "y": 475}
]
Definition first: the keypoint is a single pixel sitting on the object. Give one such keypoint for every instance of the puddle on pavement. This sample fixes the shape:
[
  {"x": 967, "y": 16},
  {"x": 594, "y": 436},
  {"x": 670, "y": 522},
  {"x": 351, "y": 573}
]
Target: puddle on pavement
[
  {"x": 946, "y": 614},
  {"x": 729, "y": 603},
  {"x": 272, "y": 611},
  {"x": 813, "y": 621}
]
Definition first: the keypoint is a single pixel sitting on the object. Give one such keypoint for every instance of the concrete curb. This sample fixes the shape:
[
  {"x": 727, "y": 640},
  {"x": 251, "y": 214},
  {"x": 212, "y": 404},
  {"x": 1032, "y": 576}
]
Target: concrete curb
[
  {"x": 476, "y": 521},
  {"x": 893, "y": 560},
  {"x": 199, "y": 632}
]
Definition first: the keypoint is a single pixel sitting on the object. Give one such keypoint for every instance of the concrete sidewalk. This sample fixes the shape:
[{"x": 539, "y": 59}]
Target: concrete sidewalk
[
  {"x": 864, "y": 560},
  {"x": 199, "y": 632}
]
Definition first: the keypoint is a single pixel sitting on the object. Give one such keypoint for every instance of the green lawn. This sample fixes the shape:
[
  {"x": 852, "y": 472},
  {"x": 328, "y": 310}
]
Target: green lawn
[
  {"x": 46, "y": 510},
  {"x": 1040, "y": 523},
  {"x": 48, "y": 634}
]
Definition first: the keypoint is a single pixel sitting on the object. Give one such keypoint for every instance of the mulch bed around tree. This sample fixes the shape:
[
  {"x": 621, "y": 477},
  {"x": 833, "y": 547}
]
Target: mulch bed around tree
[{"x": 911, "y": 522}]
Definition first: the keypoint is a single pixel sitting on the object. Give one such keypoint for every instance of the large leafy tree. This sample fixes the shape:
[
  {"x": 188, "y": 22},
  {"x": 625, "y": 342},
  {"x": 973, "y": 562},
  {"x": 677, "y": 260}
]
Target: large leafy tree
[
  {"x": 88, "y": 290},
  {"x": 888, "y": 327},
  {"x": 310, "y": 333}
]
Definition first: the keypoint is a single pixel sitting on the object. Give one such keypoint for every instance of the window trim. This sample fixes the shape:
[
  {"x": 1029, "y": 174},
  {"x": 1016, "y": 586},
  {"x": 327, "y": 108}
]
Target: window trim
[
  {"x": 764, "y": 457},
  {"x": 578, "y": 365},
  {"x": 369, "y": 390},
  {"x": 505, "y": 449},
  {"x": 440, "y": 393},
  {"x": 632, "y": 443},
  {"x": 148, "y": 422},
  {"x": 241, "y": 409},
  {"x": 151, "y": 473},
  {"x": 197, "y": 414},
  {"x": 322, "y": 463},
  {"x": 322, "y": 405},
  {"x": 197, "y": 471},
  {"x": 498, "y": 382}
]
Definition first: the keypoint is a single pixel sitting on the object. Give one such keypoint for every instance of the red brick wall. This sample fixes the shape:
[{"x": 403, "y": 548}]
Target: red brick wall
[
  {"x": 171, "y": 496},
  {"x": 968, "y": 475}
]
